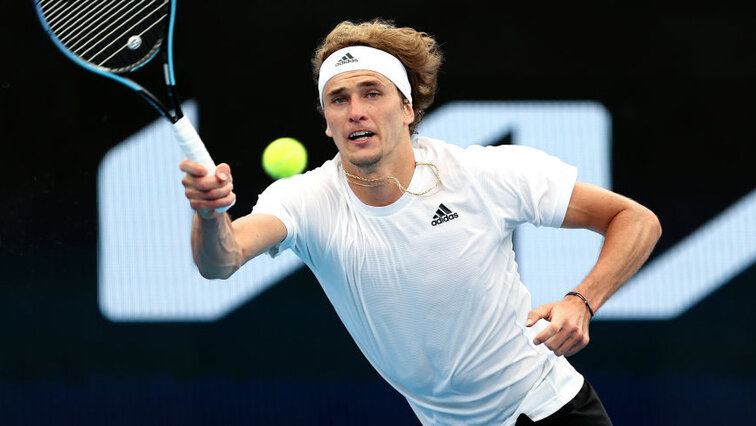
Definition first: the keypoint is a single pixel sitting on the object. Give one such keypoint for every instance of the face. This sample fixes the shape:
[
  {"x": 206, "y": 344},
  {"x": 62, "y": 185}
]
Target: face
[{"x": 367, "y": 119}]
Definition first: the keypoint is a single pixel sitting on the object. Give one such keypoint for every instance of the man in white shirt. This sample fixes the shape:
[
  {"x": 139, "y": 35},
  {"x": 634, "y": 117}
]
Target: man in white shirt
[{"x": 411, "y": 241}]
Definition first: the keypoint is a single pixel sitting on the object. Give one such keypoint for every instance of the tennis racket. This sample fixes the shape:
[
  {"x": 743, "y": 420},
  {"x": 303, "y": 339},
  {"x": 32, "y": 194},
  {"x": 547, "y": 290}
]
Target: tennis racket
[{"x": 116, "y": 37}]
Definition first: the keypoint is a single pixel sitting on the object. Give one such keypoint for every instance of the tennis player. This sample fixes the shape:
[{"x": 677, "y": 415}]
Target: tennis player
[{"x": 411, "y": 240}]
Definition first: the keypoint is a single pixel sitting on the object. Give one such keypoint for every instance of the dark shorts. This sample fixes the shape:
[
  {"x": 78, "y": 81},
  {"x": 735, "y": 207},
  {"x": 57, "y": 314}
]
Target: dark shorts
[{"x": 585, "y": 409}]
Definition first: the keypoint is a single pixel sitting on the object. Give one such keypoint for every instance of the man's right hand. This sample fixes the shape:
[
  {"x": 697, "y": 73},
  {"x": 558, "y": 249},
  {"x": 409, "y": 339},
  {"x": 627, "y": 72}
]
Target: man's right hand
[{"x": 207, "y": 193}]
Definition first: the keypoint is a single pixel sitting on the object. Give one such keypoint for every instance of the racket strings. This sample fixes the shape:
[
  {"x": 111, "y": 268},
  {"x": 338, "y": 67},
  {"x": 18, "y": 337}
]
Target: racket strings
[
  {"x": 131, "y": 30},
  {"x": 93, "y": 20},
  {"x": 117, "y": 35},
  {"x": 66, "y": 22}
]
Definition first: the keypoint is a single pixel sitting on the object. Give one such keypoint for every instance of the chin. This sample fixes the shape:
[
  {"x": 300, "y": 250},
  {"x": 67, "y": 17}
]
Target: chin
[{"x": 362, "y": 161}]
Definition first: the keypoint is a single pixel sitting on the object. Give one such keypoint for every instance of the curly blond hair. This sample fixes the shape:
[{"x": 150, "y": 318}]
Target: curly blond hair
[{"x": 418, "y": 52}]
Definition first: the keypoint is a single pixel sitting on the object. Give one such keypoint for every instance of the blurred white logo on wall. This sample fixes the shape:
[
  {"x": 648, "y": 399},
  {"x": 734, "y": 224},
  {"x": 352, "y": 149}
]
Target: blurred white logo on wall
[{"x": 145, "y": 266}]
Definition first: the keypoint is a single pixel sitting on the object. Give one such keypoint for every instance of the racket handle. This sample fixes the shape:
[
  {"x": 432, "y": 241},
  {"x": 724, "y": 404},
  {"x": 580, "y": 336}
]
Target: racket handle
[{"x": 195, "y": 150}]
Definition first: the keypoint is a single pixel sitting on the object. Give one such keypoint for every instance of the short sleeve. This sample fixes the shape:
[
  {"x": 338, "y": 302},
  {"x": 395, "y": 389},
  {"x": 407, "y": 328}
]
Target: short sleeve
[
  {"x": 276, "y": 200},
  {"x": 525, "y": 185}
]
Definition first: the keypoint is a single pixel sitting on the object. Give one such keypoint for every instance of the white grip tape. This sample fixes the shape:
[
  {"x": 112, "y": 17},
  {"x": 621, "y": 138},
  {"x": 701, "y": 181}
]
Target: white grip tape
[
  {"x": 194, "y": 149},
  {"x": 192, "y": 145}
]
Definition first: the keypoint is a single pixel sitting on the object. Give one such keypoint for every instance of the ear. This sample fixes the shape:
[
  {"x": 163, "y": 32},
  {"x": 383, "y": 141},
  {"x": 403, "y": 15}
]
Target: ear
[
  {"x": 409, "y": 112},
  {"x": 328, "y": 131}
]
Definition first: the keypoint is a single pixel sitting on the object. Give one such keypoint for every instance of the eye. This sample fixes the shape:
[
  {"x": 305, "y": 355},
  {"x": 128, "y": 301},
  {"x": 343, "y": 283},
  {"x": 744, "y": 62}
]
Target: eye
[
  {"x": 338, "y": 100},
  {"x": 373, "y": 94}
]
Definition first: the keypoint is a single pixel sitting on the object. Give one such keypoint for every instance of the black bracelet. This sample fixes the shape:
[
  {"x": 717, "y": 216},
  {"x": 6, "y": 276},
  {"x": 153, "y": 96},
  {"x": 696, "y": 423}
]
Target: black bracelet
[{"x": 575, "y": 293}]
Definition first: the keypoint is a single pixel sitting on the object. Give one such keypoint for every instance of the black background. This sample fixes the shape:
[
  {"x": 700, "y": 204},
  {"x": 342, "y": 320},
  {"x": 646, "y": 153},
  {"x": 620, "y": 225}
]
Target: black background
[{"x": 678, "y": 82}]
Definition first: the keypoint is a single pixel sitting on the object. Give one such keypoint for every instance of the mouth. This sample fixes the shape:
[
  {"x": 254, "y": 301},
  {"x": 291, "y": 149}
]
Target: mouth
[{"x": 360, "y": 135}]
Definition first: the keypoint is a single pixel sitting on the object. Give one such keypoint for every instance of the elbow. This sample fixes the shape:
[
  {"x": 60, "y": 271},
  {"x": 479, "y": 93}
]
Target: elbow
[
  {"x": 657, "y": 228},
  {"x": 216, "y": 272},
  {"x": 652, "y": 224},
  {"x": 214, "y": 268}
]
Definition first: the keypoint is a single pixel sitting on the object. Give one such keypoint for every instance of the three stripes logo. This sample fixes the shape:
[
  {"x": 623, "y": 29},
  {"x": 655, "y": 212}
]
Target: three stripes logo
[
  {"x": 443, "y": 214},
  {"x": 346, "y": 59}
]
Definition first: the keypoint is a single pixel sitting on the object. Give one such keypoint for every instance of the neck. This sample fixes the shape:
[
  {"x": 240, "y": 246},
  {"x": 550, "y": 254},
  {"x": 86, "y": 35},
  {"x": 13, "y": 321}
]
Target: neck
[{"x": 377, "y": 185}]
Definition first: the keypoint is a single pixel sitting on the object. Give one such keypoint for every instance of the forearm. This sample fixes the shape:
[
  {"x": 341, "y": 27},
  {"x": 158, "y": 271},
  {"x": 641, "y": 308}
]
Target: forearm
[
  {"x": 214, "y": 247},
  {"x": 629, "y": 239}
]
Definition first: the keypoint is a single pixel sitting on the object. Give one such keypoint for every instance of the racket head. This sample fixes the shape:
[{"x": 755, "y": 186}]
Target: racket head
[{"x": 109, "y": 37}]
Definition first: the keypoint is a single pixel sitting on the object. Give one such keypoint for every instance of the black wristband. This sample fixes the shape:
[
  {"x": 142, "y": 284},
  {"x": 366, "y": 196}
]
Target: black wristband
[{"x": 575, "y": 293}]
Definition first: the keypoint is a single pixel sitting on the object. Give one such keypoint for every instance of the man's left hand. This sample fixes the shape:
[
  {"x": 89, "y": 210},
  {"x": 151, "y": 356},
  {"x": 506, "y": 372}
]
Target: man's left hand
[{"x": 567, "y": 332}]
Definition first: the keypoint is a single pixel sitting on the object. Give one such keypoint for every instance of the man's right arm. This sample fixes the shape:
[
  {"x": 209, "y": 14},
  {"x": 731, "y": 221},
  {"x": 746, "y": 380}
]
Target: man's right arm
[{"x": 221, "y": 246}]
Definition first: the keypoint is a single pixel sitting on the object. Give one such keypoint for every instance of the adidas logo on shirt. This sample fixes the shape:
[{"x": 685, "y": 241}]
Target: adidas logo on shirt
[
  {"x": 346, "y": 59},
  {"x": 443, "y": 214}
]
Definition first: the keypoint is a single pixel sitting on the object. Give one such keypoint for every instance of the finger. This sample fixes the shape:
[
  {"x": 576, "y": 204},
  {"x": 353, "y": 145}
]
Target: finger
[
  {"x": 580, "y": 344},
  {"x": 198, "y": 204},
  {"x": 543, "y": 311},
  {"x": 202, "y": 184},
  {"x": 227, "y": 201},
  {"x": 192, "y": 168},
  {"x": 576, "y": 340},
  {"x": 223, "y": 172},
  {"x": 211, "y": 194},
  {"x": 546, "y": 334},
  {"x": 561, "y": 342},
  {"x": 558, "y": 340},
  {"x": 573, "y": 350}
]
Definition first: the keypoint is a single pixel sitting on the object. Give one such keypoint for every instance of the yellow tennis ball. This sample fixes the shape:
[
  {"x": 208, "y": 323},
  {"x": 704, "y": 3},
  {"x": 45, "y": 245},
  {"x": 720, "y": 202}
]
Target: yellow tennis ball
[{"x": 284, "y": 157}]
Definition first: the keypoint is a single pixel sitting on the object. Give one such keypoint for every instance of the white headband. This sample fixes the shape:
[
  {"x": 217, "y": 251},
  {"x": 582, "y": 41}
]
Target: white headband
[{"x": 355, "y": 58}]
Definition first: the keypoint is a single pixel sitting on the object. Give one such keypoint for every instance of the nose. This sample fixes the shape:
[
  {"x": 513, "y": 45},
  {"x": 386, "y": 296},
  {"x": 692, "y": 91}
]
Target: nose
[{"x": 356, "y": 111}]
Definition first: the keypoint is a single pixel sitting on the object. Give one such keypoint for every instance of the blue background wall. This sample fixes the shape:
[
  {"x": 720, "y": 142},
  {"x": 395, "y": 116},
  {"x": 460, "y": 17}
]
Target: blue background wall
[{"x": 678, "y": 83}]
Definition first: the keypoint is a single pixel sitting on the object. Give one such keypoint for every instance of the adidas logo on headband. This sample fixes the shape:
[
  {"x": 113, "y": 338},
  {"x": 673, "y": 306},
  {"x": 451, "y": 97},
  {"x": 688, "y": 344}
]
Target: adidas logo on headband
[{"x": 346, "y": 59}]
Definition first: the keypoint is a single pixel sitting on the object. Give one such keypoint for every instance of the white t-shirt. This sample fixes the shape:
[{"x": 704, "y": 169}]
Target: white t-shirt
[{"x": 428, "y": 286}]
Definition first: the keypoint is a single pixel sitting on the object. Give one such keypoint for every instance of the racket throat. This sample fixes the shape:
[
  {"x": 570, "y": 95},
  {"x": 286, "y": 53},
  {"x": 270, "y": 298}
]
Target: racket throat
[
  {"x": 172, "y": 113},
  {"x": 173, "y": 100}
]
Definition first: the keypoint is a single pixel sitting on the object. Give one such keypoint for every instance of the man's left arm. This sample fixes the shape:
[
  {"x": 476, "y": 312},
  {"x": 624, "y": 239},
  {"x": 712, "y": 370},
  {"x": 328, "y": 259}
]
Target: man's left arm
[{"x": 630, "y": 232}]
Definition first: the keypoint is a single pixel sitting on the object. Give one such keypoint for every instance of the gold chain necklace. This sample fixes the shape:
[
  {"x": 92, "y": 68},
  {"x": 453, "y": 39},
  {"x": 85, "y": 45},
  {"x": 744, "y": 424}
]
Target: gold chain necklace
[{"x": 369, "y": 183}]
